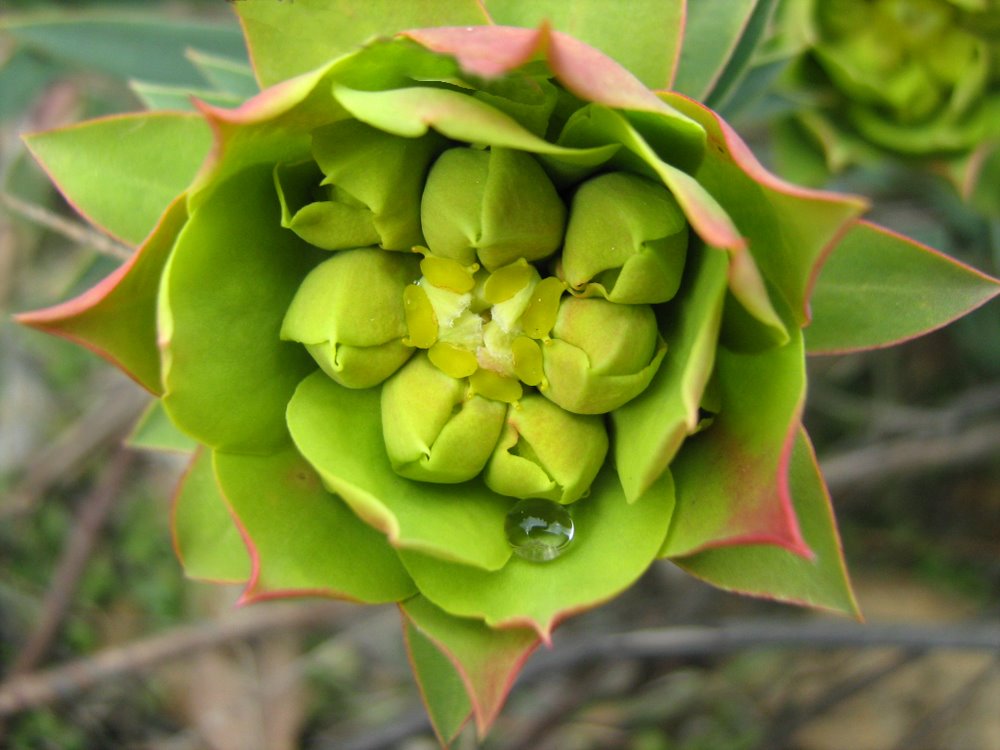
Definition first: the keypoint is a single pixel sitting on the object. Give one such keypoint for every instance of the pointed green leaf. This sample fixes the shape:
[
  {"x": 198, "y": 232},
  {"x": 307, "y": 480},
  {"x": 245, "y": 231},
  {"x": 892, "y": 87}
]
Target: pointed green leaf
[
  {"x": 772, "y": 572},
  {"x": 121, "y": 172},
  {"x": 155, "y": 432},
  {"x": 731, "y": 478},
  {"x": 339, "y": 431},
  {"x": 117, "y": 318},
  {"x": 486, "y": 659},
  {"x": 441, "y": 687},
  {"x": 147, "y": 46},
  {"x": 711, "y": 36},
  {"x": 879, "y": 288},
  {"x": 733, "y": 75},
  {"x": 321, "y": 30},
  {"x": 650, "y": 429},
  {"x": 303, "y": 539},
  {"x": 233, "y": 272},
  {"x": 643, "y": 36},
  {"x": 788, "y": 228},
  {"x": 614, "y": 543},
  {"x": 226, "y": 75},
  {"x": 206, "y": 538},
  {"x": 179, "y": 98}
]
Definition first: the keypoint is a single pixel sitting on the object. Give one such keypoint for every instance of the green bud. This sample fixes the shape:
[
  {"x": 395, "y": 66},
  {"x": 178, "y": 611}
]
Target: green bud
[
  {"x": 433, "y": 430},
  {"x": 349, "y": 313},
  {"x": 626, "y": 240},
  {"x": 544, "y": 451},
  {"x": 601, "y": 354},
  {"x": 365, "y": 192},
  {"x": 497, "y": 205}
]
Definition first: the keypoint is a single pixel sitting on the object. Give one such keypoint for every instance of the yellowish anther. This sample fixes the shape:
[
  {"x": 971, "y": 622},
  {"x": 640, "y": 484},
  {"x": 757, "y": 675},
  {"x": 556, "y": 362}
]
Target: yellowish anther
[
  {"x": 453, "y": 360},
  {"x": 491, "y": 385},
  {"x": 540, "y": 315},
  {"x": 421, "y": 322},
  {"x": 505, "y": 282},
  {"x": 527, "y": 360},
  {"x": 446, "y": 273}
]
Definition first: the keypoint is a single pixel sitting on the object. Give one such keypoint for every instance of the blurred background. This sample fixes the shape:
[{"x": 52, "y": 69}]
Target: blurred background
[{"x": 104, "y": 644}]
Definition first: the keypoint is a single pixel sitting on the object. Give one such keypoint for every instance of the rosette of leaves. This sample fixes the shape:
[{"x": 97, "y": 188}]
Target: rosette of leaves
[
  {"x": 418, "y": 282},
  {"x": 917, "y": 80}
]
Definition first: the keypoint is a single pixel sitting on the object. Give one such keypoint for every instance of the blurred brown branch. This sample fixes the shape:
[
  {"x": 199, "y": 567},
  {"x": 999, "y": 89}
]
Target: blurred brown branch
[
  {"x": 71, "y": 230},
  {"x": 26, "y": 691}
]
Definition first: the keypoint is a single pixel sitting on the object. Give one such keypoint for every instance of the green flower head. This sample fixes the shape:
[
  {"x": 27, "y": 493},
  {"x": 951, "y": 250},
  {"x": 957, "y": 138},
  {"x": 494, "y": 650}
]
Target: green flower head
[{"x": 470, "y": 319}]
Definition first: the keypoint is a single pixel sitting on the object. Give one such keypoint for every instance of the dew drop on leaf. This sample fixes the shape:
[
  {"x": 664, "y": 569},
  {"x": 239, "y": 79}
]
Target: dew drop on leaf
[{"x": 539, "y": 530}]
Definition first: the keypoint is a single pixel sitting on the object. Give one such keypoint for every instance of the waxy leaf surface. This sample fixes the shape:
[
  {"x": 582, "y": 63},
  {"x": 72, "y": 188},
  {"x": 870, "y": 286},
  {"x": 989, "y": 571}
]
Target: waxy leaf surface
[
  {"x": 772, "y": 572},
  {"x": 121, "y": 172},
  {"x": 650, "y": 429},
  {"x": 731, "y": 479},
  {"x": 879, "y": 288},
  {"x": 788, "y": 229},
  {"x": 441, "y": 687},
  {"x": 303, "y": 539},
  {"x": 643, "y": 36},
  {"x": 117, "y": 318},
  {"x": 614, "y": 543},
  {"x": 232, "y": 275},
  {"x": 155, "y": 432},
  {"x": 712, "y": 32},
  {"x": 487, "y": 659},
  {"x": 339, "y": 430},
  {"x": 321, "y": 30}
]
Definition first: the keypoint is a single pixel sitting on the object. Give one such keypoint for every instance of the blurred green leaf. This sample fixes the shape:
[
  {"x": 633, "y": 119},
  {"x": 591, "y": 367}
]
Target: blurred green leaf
[
  {"x": 642, "y": 35},
  {"x": 225, "y": 74},
  {"x": 711, "y": 38},
  {"x": 125, "y": 45},
  {"x": 154, "y": 431},
  {"x": 179, "y": 98},
  {"x": 734, "y": 74}
]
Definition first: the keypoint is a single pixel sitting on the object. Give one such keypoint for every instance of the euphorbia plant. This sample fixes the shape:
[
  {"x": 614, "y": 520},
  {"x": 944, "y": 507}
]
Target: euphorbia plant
[
  {"x": 475, "y": 319},
  {"x": 916, "y": 81}
]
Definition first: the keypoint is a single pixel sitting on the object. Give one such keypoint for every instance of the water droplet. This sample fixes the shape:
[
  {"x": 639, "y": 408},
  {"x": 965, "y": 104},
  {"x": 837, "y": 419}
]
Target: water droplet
[{"x": 539, "y": 530}]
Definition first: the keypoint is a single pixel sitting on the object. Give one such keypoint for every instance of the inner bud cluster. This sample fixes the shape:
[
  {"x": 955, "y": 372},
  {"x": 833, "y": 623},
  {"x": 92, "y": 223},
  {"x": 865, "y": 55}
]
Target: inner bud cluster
[
  {"x": 502, "y": 316},
  {"x": 487, "y": 327}
]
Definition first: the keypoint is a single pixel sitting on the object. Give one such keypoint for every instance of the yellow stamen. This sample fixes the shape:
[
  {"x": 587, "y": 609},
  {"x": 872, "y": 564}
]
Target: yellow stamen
[
  {"x": 491, "y": 385},
  {"x": 505, "y": 282},
  {"x": 540, "y": 315},
  {"x": 446, "y": 273},
  {"x": 421, "y": 322},
  {"x": 453, "y": 360}
]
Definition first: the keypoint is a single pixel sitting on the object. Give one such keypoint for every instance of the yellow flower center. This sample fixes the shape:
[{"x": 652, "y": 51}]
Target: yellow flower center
[{"x": 488, "y": 327}]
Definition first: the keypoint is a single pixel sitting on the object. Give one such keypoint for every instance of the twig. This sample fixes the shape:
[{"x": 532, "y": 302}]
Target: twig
[
  {"x": 108, "y": 421},
  {"x": 903, "y": 456},
  {"x": 689, "y": 641},
  {"x": 71, "y": 230},
  {"x": 86, "y": 528},
  {"x": 27, "y": 691}
]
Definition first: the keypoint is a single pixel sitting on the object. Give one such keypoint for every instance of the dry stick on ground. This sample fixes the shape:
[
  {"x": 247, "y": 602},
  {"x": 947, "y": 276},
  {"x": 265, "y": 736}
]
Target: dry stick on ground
[
  {"x": 27, "y": 691},
  {"x": 86, "y": 529},
  {"x": 72, "y": 230},
  {"x": 30, "y": 690},
  {"x": 908, "y": 456},
  {"x": 107, "y": 422}
]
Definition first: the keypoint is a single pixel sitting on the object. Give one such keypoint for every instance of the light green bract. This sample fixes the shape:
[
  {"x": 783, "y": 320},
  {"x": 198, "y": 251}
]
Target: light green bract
[{"x": 469, "y": 319}]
